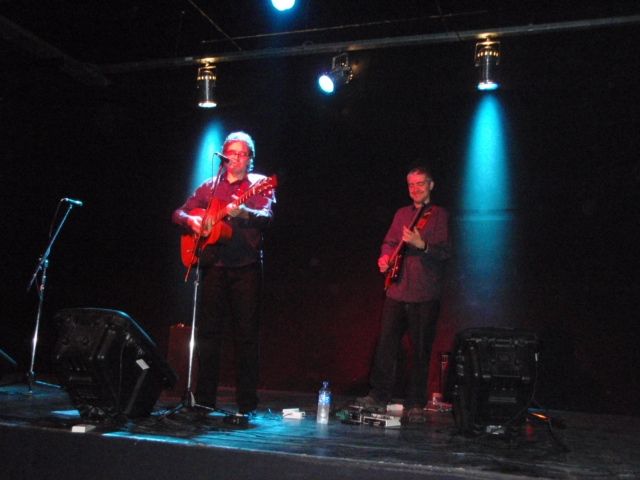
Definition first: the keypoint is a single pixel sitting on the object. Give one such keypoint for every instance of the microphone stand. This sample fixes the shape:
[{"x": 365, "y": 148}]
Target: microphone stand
[
  {"x": 42, "y": 267},
  {"x": 188, "y": 399}
]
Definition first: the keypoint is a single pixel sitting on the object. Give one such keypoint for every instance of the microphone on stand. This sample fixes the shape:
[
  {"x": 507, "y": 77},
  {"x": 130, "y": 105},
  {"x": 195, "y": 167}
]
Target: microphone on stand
[
  {"x": 223, "y": 159},
  {"x": 77, "y": 203}
]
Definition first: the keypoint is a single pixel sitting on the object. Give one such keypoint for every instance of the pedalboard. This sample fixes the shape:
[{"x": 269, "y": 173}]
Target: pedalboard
[
  {"x": 377, "y": 420},
  {"x": 358, "y": 416}
]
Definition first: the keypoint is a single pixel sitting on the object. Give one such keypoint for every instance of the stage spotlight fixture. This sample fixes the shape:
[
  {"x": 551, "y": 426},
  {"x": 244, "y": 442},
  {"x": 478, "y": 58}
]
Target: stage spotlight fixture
[
  {"x": 487, "y": 58},
  {"x": 340, "y": 74},
  {"x": 283, "y": 5},
  {"x": 207, "y": 86}
]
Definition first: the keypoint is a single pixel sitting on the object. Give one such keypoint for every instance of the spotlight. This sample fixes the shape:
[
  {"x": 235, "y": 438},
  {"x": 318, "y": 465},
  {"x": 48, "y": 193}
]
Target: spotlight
[
  {"x": 283, "y": 5},
  {"x": 487, "y": 58},
  {"x": 340, "y": 74},
  {"x": 207, "y": 86}
]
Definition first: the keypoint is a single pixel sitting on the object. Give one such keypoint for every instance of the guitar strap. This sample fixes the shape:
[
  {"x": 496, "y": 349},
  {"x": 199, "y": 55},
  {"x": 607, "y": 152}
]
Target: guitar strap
[{"x": 244, "y": 185}]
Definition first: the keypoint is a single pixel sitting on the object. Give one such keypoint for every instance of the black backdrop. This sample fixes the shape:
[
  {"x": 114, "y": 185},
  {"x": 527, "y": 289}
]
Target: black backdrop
[{"x": 126, "y": 150}]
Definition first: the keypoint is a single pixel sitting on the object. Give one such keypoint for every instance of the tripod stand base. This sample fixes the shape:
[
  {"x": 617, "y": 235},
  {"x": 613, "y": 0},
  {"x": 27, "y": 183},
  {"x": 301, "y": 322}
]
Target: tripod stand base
[
  {"x": 32, "y": 382},
  {"x": 189, "y": 403}
]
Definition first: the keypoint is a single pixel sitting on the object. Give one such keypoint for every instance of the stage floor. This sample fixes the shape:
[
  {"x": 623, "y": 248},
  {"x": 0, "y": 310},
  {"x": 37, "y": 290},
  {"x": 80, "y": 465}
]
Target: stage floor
[{"x": 36, "y": 441}]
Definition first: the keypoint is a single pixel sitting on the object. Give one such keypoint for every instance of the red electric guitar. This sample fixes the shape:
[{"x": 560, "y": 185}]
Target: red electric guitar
[
  {"x": 395, "y": 262},
  {"x": 214, "y": 231}
]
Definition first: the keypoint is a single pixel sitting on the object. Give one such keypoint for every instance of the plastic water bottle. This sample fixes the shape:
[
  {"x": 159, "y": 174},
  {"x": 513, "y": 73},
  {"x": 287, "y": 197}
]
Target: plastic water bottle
[{"x": 324, "y": 404}]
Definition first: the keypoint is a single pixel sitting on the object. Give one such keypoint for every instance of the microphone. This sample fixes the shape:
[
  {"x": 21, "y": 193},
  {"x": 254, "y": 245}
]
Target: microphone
[
  {"x": 77, "y": 203},
  {"x": 222, "y": 157}
]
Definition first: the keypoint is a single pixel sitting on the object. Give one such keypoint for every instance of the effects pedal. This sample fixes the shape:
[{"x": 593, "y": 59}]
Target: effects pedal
[
  {"x": 354, "y": 415},
  {"x": 237, "y": 419},
  {"x": 377, "y": 420}
]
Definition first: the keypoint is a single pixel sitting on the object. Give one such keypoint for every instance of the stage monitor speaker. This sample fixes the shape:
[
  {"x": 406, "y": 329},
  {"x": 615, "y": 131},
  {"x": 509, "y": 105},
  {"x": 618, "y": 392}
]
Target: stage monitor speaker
[
  {"x": 494, "y": 375},
  {"x": 7, "y": 364},
  {"x": 108, "y": 364}
]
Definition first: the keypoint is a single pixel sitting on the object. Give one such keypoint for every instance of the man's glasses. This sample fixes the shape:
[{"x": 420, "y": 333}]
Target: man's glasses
[
  {"x": 233, "y": 153},
  {"x": 418, "y": 184}
]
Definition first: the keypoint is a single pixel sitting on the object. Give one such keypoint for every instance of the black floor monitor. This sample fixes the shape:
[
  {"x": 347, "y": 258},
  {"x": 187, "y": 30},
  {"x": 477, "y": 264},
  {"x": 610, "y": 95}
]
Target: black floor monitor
[{"x": 108, "y": 364}]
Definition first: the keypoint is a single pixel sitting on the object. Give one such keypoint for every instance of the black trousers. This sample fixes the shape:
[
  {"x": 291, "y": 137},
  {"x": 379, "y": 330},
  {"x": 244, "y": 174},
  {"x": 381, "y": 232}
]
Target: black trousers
[
  {"x": 420, "y": 320},
  {"x": 233, "y": 294}
]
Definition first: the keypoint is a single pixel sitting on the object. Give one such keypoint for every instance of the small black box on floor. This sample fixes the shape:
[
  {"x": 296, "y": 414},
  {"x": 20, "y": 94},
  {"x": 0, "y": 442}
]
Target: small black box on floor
[
  {"x": 494, "y": 375},
  {"x": 179, "y": 357},
  {"x": 108, "y": 364}
]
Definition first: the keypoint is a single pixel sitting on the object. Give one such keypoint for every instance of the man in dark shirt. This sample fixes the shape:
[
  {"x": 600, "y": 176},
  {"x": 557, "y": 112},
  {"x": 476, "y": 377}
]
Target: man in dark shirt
[
  {"x": 231, "y": 276},
  {"x": 412, "y": 300}
]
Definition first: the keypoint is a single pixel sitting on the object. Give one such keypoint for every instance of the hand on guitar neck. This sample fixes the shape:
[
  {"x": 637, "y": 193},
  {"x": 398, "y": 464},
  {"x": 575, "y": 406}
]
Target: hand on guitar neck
[{"x": 411, "y": 237}]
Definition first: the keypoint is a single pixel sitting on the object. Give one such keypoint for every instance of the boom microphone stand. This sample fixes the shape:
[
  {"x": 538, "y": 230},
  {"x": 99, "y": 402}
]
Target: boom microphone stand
[
  {"x": 188, "y": 399},
  {"x": 42, "y": 268}
]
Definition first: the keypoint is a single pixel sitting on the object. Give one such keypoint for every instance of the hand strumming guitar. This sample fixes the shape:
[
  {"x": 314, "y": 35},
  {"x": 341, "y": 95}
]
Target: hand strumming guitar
[
  {"x": 195, "y": 222},
  {"x": 383, "y": 263}
]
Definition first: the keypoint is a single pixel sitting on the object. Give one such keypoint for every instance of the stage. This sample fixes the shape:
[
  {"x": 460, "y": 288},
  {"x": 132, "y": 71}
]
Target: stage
[{"x": 37, "y": 442}]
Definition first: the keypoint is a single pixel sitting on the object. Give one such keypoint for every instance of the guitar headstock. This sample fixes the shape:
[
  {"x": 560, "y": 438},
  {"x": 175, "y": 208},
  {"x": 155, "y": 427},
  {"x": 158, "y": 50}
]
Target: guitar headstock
[{"x": 265, "y": 184}]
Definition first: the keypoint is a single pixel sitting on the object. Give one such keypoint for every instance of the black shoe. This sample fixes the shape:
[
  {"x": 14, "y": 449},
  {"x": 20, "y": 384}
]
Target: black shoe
[
  {"x": 416, "y": 415},
  {"x": 247, "y": 411},
  {"x": 371, "y": 404}
]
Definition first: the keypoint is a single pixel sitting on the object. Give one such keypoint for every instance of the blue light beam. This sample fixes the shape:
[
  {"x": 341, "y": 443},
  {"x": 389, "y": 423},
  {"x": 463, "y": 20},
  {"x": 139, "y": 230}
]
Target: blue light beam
[
  {"x": 487, "y": 221},
  {"x": 206, "y": 164},
  {"x": 486, "y": 184}
]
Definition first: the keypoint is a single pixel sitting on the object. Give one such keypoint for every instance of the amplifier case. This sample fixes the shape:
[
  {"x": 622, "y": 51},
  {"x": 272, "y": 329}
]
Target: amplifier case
[{"x": 494, "y": 379}]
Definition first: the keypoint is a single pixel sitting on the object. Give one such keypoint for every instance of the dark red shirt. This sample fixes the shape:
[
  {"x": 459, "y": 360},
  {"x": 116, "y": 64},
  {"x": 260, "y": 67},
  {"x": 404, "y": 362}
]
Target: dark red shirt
[
  {"x": 421, "y": 275},
  {"x": 246, "y": 239}
]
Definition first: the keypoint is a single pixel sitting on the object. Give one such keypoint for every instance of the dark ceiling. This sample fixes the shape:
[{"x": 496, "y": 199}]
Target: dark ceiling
[{"x": 95, "y": 35}]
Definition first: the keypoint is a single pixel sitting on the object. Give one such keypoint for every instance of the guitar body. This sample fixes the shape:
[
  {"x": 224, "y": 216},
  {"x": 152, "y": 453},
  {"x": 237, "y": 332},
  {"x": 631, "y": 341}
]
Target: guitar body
[
  {"x": 215, "y": 232},
  {"x": 218, "y": 233},
  {"x": 395, "y": 264}
]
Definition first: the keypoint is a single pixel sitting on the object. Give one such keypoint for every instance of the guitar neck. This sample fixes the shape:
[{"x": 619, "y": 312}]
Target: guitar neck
[{"x": 413, "y": 223}]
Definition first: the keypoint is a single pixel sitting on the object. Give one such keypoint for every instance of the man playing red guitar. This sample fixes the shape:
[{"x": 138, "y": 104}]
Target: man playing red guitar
[
  {"x": 231, "y": 275},
  {"x": 412, "y": 257}
]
